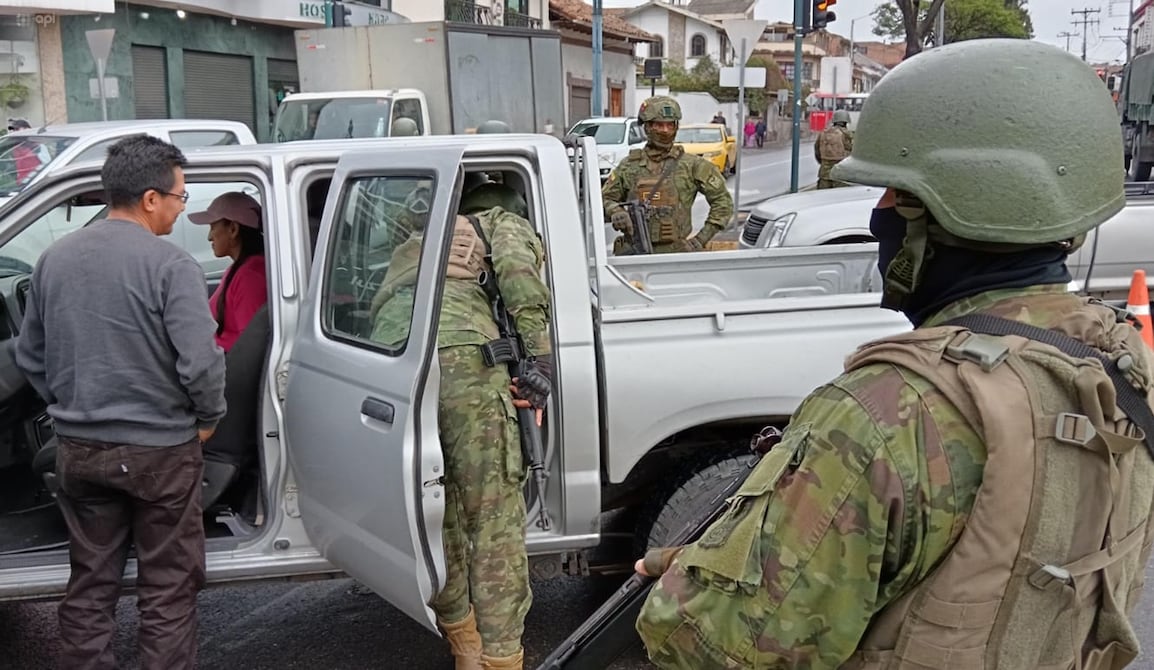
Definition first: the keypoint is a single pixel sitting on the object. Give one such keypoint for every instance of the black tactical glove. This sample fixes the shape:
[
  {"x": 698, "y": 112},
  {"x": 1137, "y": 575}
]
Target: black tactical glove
[
  {"x": 535, "y": 381},
  {"x": 621, "y": 221}
]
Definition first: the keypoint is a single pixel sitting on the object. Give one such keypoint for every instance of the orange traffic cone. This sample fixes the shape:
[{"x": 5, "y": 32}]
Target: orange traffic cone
[{"x": 1138, "y": 304}]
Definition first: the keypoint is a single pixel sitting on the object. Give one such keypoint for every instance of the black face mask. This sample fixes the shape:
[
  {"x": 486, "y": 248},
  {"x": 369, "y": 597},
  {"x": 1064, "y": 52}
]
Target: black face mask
[{"x": 953, "y": 273}]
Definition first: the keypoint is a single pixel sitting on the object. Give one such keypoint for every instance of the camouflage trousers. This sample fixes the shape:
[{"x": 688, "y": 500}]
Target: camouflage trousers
[
  {"x": 824, "y": 180},
  {"x": 484, "y": 527}
]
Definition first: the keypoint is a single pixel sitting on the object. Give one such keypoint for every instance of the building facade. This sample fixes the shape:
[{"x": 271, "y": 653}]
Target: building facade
[
  {"x": 513, "y": 13},
  {"x": 683, "y": 36},
  {"x": 574, "y": 20},
  {"x": 191, "y": 59}
]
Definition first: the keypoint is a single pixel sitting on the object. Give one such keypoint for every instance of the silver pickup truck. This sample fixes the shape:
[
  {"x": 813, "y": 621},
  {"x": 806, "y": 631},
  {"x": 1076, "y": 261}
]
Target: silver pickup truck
[
  {"x": 1103, "y": 266},
  {"x": 665, "y": 367}
]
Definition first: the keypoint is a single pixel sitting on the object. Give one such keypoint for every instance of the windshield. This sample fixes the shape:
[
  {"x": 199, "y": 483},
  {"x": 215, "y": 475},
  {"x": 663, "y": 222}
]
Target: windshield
[
  {"x": 22, "y": 157},
  {"x": 698, "y": 135},
  {"x": 332, "y": 119},
  {"x": 602, "y": 133}
]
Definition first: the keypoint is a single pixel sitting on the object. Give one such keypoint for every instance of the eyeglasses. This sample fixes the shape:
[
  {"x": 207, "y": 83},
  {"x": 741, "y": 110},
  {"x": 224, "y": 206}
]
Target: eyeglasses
[{"x": 183, "y": 196}]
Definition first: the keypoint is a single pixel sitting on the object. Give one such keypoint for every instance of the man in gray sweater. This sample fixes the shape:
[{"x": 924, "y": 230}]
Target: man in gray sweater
[{"x": 118, "y": 339}]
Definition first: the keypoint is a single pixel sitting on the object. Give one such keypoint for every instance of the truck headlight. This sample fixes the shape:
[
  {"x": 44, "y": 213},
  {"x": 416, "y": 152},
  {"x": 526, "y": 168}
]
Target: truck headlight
[
  {"x": 779, "y": 227},
  {"x": 711, "y": 154}
]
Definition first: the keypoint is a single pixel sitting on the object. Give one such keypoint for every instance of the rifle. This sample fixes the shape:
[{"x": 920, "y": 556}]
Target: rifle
[
  {"x": 510, "y": 349},
  {"x": 610, "y": 631},
  {"x": 639, "y": 242}
]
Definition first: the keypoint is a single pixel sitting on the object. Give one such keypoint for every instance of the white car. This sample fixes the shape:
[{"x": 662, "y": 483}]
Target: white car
[
  {"x": 1102, "y": 266},
  {"x": 615, "y": 136},
  {"x": 29, "y": 156}
]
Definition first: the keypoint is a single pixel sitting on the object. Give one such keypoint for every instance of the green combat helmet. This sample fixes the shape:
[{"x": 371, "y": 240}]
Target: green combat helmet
[
  {"x": 493, "y": 126},
  {"x": 490, "y": 195},
  {"x": 841, "y": 117},
  {"x": 660, "y": 108},
  {"x": 405, "y": 127},
  {"x": 1006, "y": 142}
]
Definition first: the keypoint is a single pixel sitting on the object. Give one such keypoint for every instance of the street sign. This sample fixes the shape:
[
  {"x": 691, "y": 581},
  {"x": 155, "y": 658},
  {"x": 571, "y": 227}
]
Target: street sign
[
  {"x": 743, "y": 34},
  {"x": 100, "y": 42},
  {"x": 730, "y": 77},
  {"x": 749, "y": 30}
]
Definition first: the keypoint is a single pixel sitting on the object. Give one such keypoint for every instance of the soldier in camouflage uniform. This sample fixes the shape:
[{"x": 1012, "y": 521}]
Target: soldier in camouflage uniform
[
  {"x": 482, "y": 607},
  {"x": 833, "y": 145},
  {"x": 668, "y": 179},
  {"x": 870, "y": 536}
]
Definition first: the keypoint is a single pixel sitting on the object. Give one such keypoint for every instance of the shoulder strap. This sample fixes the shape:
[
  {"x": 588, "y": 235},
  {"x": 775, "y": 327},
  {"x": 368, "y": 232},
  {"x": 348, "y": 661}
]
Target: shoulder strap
[
  {"x": 670, "y": 164},
  {"x": 1136, "y": 406}
]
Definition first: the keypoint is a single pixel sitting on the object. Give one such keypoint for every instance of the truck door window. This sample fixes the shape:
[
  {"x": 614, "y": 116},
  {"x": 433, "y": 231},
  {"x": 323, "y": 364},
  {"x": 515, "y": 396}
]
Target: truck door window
[
  {"x": 371, "y": 269},
  {"x": 193, "y": 238},
  {"x": 409, "y": 108},
  {"x": 21, "y": 252}
]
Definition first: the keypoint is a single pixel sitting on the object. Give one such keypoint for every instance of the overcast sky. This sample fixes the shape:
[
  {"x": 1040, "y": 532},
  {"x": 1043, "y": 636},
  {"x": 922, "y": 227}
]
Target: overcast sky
[{"x": 1103, "y": 43}]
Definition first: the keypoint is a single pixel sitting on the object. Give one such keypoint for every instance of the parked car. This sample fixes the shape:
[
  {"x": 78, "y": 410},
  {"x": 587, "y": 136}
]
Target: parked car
[
  {"x": 615, "y": 136},
  {"x": 712, "y": 142},
  {"x": 30, "y": 156},
  {"x": 1103, "y": 266}
]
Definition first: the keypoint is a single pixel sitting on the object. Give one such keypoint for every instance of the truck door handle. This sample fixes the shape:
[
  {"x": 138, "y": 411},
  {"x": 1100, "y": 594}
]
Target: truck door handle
[{"x": 378, "y": 409}]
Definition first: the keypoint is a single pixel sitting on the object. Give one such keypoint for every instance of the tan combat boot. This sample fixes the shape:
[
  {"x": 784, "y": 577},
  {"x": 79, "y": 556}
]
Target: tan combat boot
[
  {"x": 514, "y": 662},
  {"x": 465, "y": 641}
]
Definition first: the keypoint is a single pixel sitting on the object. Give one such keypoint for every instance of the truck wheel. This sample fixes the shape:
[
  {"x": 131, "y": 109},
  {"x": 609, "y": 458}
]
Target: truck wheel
[{"x": 685, "y": 500}]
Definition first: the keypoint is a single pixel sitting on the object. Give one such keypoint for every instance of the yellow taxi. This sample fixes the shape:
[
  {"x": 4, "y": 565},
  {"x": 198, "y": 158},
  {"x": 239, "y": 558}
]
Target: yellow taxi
[{"x": 712, "y": 142}]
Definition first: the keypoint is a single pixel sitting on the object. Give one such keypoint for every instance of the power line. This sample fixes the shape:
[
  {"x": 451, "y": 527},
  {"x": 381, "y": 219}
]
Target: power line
[
  {"x": 1067, "y": 35},
  {"x": 1085, "y": 22}
]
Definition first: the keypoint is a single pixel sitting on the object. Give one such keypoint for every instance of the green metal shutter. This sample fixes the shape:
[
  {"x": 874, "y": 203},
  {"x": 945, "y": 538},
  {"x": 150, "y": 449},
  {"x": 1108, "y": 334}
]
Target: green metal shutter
[
  {"x": 150, "y": 82},
  {"x": 219, "y": 86}
]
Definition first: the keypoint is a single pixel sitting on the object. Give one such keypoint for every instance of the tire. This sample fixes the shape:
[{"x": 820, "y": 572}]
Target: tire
[{"x": 685, "y": 500}]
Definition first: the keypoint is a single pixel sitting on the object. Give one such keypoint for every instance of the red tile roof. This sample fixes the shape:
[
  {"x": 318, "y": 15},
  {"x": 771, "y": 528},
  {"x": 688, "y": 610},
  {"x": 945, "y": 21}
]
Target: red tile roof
[{"x": 577, "y": 14}]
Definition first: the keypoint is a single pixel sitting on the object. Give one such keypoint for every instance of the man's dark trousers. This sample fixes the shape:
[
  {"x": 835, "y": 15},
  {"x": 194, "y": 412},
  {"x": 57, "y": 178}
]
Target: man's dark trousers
[{"x": 113, "y": 497}]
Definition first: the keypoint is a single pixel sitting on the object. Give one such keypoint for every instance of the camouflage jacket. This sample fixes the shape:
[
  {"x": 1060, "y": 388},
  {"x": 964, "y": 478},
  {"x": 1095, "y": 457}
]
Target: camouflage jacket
[
  {"x": 465, "y": 311},
  {"x": 671, "y": 221},
  {"x": 868, "y": 491}
]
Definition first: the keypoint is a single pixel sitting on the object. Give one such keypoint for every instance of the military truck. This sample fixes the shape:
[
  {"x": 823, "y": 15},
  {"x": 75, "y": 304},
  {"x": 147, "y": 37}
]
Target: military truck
[{"x": 1136, "y": 105}]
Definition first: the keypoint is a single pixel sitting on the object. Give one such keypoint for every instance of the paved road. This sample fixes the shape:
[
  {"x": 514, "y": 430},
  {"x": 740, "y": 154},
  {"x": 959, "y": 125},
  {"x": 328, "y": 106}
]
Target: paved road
[{"x": 328, "y": 625}]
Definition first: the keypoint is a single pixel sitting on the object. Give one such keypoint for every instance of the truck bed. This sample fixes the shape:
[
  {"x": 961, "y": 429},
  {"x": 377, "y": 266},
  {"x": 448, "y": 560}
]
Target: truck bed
[{"x": 756, "y": 331}]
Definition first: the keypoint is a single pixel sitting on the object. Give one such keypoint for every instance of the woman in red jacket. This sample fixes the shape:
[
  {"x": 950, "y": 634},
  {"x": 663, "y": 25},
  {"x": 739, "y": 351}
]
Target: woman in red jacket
[{"x": 234, "y": 221}]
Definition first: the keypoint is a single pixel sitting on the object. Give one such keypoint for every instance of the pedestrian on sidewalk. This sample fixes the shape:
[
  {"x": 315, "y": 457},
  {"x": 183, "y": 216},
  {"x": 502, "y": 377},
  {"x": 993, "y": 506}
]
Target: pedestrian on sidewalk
[
  {"x": 750, "y": 129},
  {"x": 119, "y": 341},
  {"x": 760, "y": 132}
]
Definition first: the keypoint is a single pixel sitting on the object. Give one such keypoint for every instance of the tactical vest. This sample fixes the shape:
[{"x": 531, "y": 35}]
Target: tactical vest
[
  {"x": 466, "y": 252},
  {"x": 1050, "y": 562},
  {"x": 832, "y": 144},
  {"x": 658, "y": 189}
]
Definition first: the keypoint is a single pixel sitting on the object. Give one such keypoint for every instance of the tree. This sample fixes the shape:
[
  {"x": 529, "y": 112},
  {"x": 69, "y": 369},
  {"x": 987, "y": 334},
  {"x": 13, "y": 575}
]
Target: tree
[{"x": 965, "y": 20}]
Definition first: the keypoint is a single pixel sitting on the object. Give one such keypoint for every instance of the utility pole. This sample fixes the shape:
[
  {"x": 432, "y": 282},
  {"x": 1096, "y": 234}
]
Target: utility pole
[
  {"x": 1129, "y": 30},
  {"x": 1067, "y": 34},
  {"x": 1086, "y": 22},
  {"x": 799, "y": 27},
  {"x": 597, "y": 83}
]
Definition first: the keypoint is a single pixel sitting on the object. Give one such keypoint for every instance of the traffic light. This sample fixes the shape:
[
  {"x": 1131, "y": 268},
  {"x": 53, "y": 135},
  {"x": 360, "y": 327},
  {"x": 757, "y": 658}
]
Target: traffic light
[
  {"x": 821, "y": 14},
  {"x": 342, "y": 15}
]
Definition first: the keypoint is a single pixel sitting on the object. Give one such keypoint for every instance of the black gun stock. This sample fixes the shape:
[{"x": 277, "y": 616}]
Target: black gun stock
[{"x": 609, "y": 631}]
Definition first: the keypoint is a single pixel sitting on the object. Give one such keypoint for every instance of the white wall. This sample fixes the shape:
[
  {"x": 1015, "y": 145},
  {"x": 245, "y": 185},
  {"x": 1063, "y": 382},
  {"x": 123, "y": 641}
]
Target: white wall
[
  {"x": 578, "y": 62},
  {"x": 654, "y": 21},
  {"x": 695, "y": 107},
  {"x": 712, "y": 41}
]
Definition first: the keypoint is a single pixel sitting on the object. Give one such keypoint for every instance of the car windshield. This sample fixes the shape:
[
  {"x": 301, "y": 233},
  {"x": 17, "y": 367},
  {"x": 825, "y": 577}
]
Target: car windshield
[
  {"x": 602, "y": 133},
  {"x": 698, "y": 135},
  {"x": 332, "y": 119},
  {"x": 22, "y": 157}
]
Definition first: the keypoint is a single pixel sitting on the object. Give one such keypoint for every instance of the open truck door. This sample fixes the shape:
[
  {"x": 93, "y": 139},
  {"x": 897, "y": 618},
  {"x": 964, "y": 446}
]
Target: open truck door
[{"x": 362, "y": 392}]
